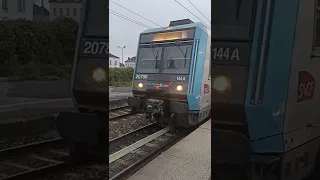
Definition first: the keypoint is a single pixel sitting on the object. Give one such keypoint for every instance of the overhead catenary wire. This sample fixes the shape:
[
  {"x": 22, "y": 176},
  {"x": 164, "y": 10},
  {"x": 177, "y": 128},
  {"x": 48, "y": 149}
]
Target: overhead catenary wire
[
  {"x": 192, "y": 13},
  {"x": 135, "y": 13},
  {"x": 128, "y": 19},
  {"x": 199, "y": 11}
]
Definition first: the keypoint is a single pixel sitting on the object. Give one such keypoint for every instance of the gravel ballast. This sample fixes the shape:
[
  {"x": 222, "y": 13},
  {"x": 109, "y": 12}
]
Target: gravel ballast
[
  {"x": 127, "y": 124},
  {"x": 9, "y": 142}
]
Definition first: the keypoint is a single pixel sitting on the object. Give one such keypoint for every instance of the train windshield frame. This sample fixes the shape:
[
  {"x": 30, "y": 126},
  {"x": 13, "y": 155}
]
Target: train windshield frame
[{"x": 170, "y": 58}]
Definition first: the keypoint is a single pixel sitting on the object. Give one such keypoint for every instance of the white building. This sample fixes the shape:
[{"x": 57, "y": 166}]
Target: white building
[
  {"x": 131, "y": 62},
  {"x": 114, "y": 61},
  {"x": 122, "y": 65},
  {"x": 67, "y": 8},
  {"x": 22, "y": 9}
]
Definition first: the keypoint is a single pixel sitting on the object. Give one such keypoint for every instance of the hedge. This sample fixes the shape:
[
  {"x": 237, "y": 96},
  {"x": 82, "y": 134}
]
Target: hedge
[
  {"x": 120, "y": 76},
  {"x": 45, "y": 50},
  {"x": 35, "y": 49}
]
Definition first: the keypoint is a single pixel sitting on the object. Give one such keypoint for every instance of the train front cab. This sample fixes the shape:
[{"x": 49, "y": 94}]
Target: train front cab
[
  {"x": 265, "y": 121},
  {"x": 190, "y": 105}
]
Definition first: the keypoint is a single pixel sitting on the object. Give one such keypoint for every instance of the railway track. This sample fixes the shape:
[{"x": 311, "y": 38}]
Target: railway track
[
  {"x": 128, "y": 157},
  {"x": 120, "y": 112},
  {"x": 42, "y": 158},
  {"x": 34, "y": 159},
  {"x": 49, "y": 157}
]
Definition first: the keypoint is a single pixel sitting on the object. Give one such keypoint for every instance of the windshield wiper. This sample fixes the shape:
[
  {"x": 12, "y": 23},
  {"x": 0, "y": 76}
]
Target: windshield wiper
[
  {"x": 183, "y": 53},
  {"x": 155, "y": 56}
]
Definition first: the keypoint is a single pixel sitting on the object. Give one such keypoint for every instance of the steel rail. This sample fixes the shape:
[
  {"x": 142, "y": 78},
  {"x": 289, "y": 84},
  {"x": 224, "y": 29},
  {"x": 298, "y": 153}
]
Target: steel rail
[
  {"x": 141, "y": 162},
  {"x": 117, "y": 155},
  {"x": 132, "y": 132},
  {"x": 121, "y": 114},
  {"x": 30, "y": 149},
  {"x": 14, "y": 151}
]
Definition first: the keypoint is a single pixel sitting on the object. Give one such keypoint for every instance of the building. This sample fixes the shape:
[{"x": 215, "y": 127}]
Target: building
[
  {"x": 131, "y": 62},
  {"x": 67, "y": 8},
  {"x": 122, "y": 65},
  {"x": 40, "y": 14},
  {"x": 114, "y": 61},
  {"x": 21, "y": 9}
]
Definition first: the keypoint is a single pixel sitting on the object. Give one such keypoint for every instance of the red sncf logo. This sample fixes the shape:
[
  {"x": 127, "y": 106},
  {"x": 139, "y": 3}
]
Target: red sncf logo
[
  {"x": 206, "y": 88},
  {"x": 306, "y": 86}
]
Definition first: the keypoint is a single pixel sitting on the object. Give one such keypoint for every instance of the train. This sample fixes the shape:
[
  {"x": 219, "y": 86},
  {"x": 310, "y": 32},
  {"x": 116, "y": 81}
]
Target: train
[
  {"x": 255, "y": 77},
  {"x": 265, "y": 96},
  {"x": 85, "y": 129},
  {"x": 171, "y": 81}
]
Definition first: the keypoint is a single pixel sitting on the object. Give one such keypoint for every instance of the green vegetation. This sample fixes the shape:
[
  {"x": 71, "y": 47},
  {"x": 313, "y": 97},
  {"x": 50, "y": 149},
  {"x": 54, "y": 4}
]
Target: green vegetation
[
  {"x": 44, "y": 51},
  {"x": 31, "y": 50},
  {"x": 120, "y": 77}
]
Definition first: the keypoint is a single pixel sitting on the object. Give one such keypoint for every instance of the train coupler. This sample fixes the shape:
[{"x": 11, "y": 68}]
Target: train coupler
[{"x": 136, "y": 104}]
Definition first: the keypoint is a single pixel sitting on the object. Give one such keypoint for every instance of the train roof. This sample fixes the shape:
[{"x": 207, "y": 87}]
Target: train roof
[{"x": 178, "y": 27}]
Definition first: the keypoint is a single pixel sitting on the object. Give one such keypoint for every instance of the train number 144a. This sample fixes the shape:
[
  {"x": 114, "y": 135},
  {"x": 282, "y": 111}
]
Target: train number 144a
[{"x": 225, "y": 54}]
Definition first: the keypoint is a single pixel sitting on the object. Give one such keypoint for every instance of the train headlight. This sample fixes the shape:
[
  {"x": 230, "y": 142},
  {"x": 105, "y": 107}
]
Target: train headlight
[
  {"x": 179, "y": 88},
  {"x": 221, "y": 83},
  {"x": 99, "y": 75},
  {"x": 140, "y": 85}
]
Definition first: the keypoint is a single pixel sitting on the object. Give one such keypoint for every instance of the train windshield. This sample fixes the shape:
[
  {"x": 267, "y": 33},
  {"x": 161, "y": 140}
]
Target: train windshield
[
  {"x": 172, "y": 59},
  {"x": 149, "y": 60},
  {"x": 177, "y": 59}
]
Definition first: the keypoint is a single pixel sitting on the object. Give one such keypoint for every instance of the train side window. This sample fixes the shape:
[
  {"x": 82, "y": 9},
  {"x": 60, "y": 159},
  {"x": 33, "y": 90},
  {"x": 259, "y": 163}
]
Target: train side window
[{"x": 316, "y": 37}]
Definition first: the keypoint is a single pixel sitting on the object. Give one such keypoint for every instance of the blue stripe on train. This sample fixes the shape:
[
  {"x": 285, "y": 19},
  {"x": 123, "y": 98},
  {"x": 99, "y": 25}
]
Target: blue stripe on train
[{"x": 194, "y": 97}]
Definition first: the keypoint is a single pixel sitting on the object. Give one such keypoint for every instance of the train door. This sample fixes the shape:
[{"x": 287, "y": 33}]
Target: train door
[{"x": 90, "y": 79}]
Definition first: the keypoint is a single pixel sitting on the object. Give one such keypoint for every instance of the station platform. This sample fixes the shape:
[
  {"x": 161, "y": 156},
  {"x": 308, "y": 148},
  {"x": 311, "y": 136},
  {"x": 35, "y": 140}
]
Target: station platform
[{"x": 189, "y": 159}]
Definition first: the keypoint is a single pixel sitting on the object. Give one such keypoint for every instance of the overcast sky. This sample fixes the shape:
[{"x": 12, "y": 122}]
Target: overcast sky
[{"x": 126, "y": 33}]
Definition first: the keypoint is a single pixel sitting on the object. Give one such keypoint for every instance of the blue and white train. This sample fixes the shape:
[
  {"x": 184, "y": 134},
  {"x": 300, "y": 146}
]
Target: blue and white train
[
  {"x": 171, "y": 81},
  {"x": 265, "y": 97}
]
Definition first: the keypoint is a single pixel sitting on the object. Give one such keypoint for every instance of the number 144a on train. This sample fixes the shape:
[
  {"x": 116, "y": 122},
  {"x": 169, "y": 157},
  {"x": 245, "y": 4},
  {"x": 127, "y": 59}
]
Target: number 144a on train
[{"x": 225, "y": 54}]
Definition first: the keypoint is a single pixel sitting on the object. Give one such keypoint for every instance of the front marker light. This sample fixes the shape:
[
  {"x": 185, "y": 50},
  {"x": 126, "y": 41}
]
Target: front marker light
[
  {"x": 140, "y": 85},
  {"x": 179, "y": 88},
  {"x": 221, "y": 83},
  {"x": 99, "y": 75}
]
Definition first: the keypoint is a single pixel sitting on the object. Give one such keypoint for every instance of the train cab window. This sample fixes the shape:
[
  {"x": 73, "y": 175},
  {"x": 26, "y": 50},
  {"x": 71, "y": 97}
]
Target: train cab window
[
  {"x": 177, "y": 58},
  {"x": 317, "y": 27},
  {"x": 149, "y": 59},
  {"x": 232, "y": 19}
]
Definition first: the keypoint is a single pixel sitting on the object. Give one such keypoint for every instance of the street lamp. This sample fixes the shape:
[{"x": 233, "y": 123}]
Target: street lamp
[{"x": 122, "y": 52}]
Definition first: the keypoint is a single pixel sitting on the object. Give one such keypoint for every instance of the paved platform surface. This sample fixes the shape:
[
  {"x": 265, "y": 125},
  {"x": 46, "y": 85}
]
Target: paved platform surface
[{"x": 189, "y": 159}]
